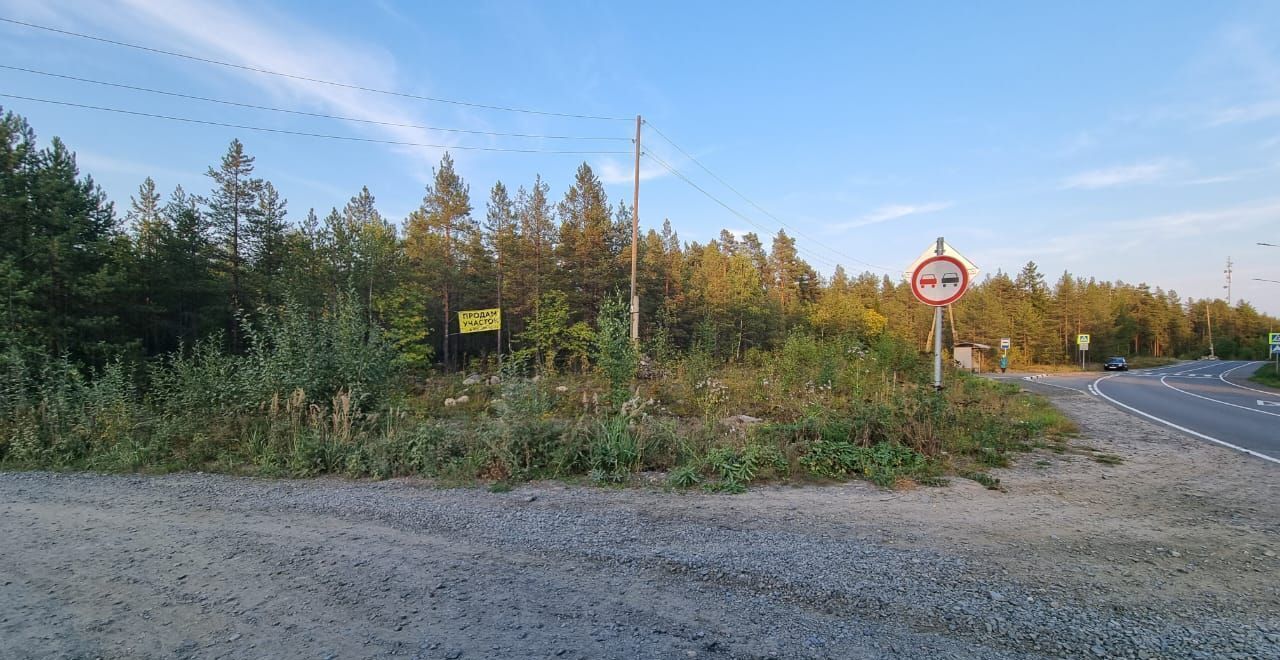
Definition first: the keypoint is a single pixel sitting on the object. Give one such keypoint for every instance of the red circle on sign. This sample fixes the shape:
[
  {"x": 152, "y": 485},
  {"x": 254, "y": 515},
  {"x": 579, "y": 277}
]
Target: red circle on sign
[{"x": 918, "y": 275}]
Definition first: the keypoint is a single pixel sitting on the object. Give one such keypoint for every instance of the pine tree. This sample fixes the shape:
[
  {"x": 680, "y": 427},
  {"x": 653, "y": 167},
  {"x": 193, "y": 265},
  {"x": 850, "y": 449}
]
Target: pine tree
[
  {"x": 533, "y": 262},
  {"x": 264, "y": 234},
  {"x": 305, "y": 275},
  {"x": 791, "y": 280},
  {"x": 144, "y": 267},
  {"x": 192, "y": 292},
  {"x": 145, "y": 218},
  {"x": 69, "y": 246},
  {"x": 372, "y": 256},
  {"x": 445, "y": 215},
  {"x": 589, "y": 245},
  {"x": 500, "y": 235},
  {"x": 231, "y": 206}
]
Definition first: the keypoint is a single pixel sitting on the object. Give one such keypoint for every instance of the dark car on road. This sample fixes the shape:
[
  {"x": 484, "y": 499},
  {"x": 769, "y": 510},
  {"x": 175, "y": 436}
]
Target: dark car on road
[{"x": 1115, "y": 364}]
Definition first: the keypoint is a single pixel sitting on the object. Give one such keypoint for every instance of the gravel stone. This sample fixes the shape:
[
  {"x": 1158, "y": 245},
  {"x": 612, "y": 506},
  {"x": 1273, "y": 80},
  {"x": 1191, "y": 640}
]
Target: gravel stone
[{"x": 195, "y": 565}]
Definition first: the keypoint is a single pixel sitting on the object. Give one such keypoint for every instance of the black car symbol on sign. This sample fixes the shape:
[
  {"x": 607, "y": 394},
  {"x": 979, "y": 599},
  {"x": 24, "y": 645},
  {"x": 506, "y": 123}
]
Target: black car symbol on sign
[{"x": 950, "y": 278}]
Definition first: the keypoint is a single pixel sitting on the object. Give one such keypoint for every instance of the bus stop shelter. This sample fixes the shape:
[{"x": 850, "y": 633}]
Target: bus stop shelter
[{"x": 969, "y": 355}]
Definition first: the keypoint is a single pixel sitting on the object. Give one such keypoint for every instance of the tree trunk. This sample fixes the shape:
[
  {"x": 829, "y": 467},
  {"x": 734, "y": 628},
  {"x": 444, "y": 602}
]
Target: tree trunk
[
  {"x": 448, "y": 277},
  {"x": 235, "y": 265}
]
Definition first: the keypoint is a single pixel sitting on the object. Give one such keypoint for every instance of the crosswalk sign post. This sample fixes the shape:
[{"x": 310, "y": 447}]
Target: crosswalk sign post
[{"x": 1082, "y": 342}]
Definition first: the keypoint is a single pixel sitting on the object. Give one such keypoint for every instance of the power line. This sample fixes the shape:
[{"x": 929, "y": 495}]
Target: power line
[
  {"x": 717, "y": 200},
  {"x": 245, "y": 67},
  {"x": 303, "y": 112},
  {"x": 282, "y": 131},
  {"x": 745, "y": 218},
  {"x": 759, "y": 208}
]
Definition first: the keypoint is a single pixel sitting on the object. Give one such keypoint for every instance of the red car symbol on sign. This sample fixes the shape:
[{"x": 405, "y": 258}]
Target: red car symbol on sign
[{"x": 931, "y": 280}]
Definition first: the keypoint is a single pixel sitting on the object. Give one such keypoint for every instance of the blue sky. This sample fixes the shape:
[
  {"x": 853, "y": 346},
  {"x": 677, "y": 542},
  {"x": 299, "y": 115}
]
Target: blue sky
[{"x": 1136, "y": 141}]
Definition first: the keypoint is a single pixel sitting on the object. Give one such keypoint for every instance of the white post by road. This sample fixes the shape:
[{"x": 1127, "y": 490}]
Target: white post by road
[{"x": 937, "y": 336}]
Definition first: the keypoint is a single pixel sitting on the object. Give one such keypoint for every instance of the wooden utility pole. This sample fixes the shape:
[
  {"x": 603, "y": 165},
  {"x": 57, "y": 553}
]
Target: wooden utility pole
[
  {"x": 1208, "y": 326},
  {"x": 635, "y": 241},
  {"x": 497, "y": 246}
]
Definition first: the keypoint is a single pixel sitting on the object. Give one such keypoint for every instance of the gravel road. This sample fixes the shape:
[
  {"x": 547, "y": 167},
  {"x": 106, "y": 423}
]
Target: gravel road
[{"x": 1170, "y": 554}]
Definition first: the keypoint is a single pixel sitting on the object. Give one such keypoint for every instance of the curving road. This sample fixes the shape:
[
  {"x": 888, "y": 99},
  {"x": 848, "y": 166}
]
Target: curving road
[{"x": 1210, "y": 400}]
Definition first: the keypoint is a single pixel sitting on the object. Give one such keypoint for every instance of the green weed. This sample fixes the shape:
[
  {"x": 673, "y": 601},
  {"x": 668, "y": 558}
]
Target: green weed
[
  {"x": 991, "y": 483},
  {"x": 684, "y": 476}
]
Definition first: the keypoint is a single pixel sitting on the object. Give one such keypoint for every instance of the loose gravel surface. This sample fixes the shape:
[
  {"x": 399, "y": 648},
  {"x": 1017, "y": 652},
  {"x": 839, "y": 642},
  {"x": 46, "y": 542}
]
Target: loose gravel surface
[{"x": 1171, "y": 553}]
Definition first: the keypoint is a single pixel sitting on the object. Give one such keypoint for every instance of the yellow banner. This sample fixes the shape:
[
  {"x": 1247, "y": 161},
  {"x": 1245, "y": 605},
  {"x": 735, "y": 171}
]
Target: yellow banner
[{"x": 479, "y": 320}]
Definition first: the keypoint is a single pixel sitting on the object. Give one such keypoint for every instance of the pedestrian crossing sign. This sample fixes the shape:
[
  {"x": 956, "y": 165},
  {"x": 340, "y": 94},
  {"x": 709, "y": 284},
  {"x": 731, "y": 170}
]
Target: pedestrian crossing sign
[
  {"x": 1273, "y": 338},
  {"x": 1082, "y": 340}
]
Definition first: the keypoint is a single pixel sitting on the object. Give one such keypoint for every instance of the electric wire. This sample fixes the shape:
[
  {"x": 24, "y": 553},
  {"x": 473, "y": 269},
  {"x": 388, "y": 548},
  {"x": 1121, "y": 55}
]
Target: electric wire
[
  {"x": 319, "y": 81},
  {"x": 281, "y": 131},
  {"x": 757, "y": 207},
  {"x": 304, "y": 112},
  {"x": 677, "y": 173}
]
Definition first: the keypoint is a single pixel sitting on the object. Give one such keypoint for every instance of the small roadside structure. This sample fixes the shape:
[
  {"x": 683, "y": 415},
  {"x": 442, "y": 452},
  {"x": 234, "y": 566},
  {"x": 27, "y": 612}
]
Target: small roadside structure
[{"x": 969, "y": 355}]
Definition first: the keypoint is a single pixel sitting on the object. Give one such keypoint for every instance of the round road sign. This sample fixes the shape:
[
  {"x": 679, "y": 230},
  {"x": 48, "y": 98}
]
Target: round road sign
[{"x": 939, "y": 280}]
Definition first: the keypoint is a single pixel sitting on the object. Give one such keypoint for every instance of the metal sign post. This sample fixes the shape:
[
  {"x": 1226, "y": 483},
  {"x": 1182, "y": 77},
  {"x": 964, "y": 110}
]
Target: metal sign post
[
  {"x": 1082, "y": 341},
  {"x": 938, "y": 281},
  {"x": 482, "y": 320},
  {"x": 937, "y": 336}
]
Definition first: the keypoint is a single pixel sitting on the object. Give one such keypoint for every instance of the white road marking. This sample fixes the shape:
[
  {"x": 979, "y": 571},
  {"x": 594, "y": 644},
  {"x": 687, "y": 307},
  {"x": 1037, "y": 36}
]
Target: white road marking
[
  {"x": 1208, "y": 364},
  {"x": 1222, "y": 378},
  {"x": 1268, "y": 403},
  {"x": 1233, "y": 405},
  {"x": 1063, "y": 387},
  {"x": 1184, "y": 429}
]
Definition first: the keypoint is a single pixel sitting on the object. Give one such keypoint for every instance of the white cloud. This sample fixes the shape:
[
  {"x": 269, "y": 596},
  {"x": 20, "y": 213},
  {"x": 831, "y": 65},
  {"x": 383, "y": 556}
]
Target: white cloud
[
  {"x": 93, "y": 163},
  {"x": 268, "y": 40},
  {"x": 1080, "y": 142},
  {"x": 1145, "y": 235},
  {"x": 1208, "y": 180},
  {"x": 1196, "y": 223},
  {"x": 1139, "y": 173},
  {"x": 1246, "y": 113},
  {"x": 891, "y": 212},
  {"x": 613, "y": 171}
]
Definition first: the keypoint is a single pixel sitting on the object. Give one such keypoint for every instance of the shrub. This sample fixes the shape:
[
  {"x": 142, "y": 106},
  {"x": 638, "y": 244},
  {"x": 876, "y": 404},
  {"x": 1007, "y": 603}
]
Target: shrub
[
  {"x": 339, "y": 350},
  {"x": 615, "y": 353}
]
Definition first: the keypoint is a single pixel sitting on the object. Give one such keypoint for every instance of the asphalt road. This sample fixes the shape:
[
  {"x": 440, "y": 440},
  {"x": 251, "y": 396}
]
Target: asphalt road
[{"x": 1210, "y": 400}]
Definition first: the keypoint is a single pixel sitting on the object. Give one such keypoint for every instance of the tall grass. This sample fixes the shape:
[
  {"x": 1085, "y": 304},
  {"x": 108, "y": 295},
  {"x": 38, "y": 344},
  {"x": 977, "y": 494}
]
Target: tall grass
[{"x": 322, "y": 395}]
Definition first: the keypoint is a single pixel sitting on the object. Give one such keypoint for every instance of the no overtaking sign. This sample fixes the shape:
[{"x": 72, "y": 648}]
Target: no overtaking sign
[{"x": 939, "y": 281}]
